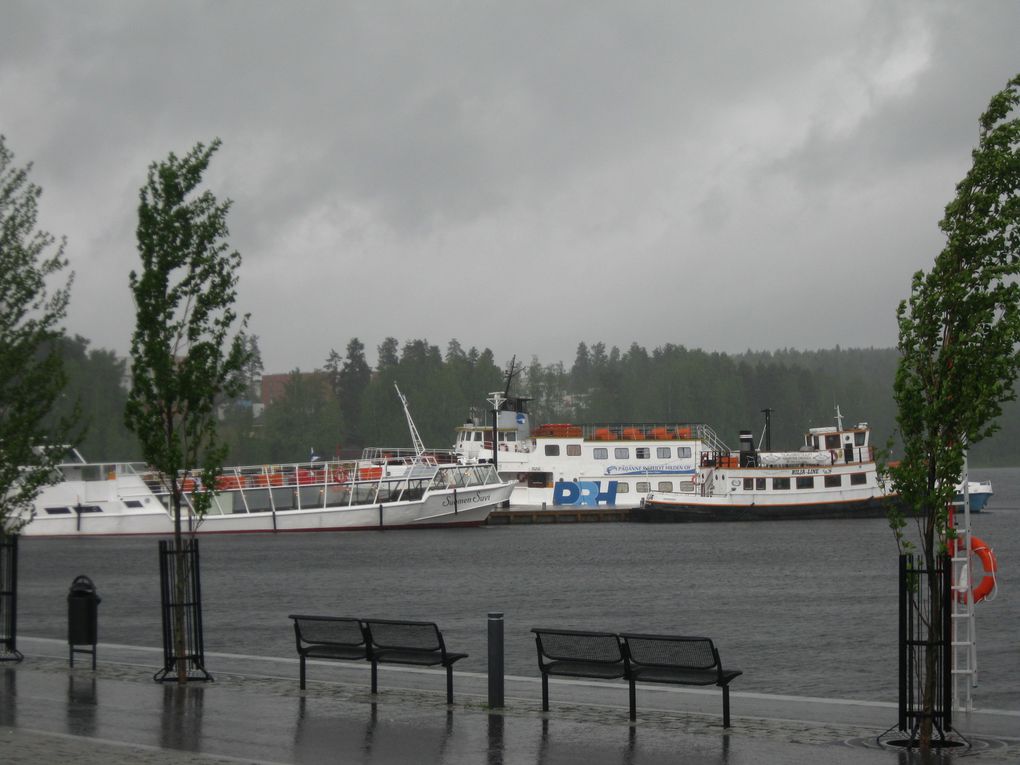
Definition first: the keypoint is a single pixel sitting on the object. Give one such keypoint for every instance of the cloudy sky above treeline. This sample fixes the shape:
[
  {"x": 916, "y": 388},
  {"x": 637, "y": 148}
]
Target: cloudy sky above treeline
[{"x": 519, "y": 176}]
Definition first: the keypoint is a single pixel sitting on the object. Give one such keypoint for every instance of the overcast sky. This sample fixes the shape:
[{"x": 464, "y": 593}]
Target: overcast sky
[{"x": 521, "y": 176}]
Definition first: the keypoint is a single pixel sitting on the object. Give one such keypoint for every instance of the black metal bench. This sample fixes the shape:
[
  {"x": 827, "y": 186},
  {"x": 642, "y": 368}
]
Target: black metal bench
[
  {"x": 676, "y": 660},
  {"x": 329, "y": 637},
  {"x": 575, "y": 653},
  {"x": 402, "y": 642},
  {"x": 669, "y": 659}
]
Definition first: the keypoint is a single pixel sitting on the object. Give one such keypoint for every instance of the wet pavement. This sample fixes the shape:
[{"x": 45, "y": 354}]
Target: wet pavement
[{"x": 254, "y": 712}]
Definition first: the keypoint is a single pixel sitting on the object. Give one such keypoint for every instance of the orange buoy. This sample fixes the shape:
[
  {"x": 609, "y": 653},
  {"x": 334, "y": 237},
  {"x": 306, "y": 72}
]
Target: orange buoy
[{"x": 987, "y": 585}]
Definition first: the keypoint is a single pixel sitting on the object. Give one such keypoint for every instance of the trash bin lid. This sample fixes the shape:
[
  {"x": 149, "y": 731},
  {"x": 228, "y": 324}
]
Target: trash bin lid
[{"x": 82, "y": 585}]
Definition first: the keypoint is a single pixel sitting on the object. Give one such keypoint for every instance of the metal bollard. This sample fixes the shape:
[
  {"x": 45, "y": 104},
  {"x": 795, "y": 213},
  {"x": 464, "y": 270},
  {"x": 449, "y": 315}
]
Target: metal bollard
[{"x": 495, "y": 660}]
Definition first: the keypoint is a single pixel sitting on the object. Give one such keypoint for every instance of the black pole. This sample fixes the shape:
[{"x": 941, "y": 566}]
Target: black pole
[
  {"x": 903, "y": 643},
  {"x": 495, "y": 432},
  {"x": 495, "y": 660},
  {"x": 768, "y": 428}
]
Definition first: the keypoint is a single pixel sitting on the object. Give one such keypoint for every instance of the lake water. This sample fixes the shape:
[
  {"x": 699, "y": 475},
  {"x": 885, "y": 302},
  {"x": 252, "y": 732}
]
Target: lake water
[{"x": 806, "y": 608}]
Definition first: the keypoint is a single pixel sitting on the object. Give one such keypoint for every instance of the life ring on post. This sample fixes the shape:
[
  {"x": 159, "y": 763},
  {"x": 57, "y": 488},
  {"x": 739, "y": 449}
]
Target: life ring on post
[{"x": 986, "y": 587}]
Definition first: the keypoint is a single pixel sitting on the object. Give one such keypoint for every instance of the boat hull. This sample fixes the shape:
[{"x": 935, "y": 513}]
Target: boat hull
[
  {"x": 437, "y": 509},
  {"x": 681, "y": 511}
]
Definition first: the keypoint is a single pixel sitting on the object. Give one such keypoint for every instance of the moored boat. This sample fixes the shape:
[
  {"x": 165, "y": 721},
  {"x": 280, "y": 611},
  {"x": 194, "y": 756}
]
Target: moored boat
[
  {"x": 386, "y": 488},
  {"x": 384, "y": 492}
]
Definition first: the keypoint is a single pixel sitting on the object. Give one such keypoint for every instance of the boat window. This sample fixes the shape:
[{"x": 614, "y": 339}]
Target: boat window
[
  {"x": 622, "y": 487},
  {"x": 600, "y": 453},
  {"x": 621, "y": 453},
  {"x": 132, "y": 503},
  {"x": 683, "y": 451},
  {"x": 662, "y": 452},
  {"x": 552, "y": 450},
  {"x": 759, "y": 484},
  {"x": 510, "y": 436},
  {"x": 748, "y": 484},
  {"x": 58, "y": 510},
  {"x": 805, "y": 482},
  {"x": 833, "y": 481},
  {"x": 858, "y": 479},
  {"x": 859, "y": 438},
  {"x": 573, "y": 450},
  {"x": 478, "y": 435},
  {"x": 665, "y": 486},
  {"x": 642, "y": 487},
  {"x": 779, "y": 484},
  {"x": 832, "y": 441},
  {"x": 642, "y": 452}
]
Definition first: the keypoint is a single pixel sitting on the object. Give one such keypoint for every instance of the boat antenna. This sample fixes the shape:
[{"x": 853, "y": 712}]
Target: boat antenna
[
  {"x": 839, "y": 419},
  {"x": 419, "y": 447},
  {"x": 511, "y": 371}
]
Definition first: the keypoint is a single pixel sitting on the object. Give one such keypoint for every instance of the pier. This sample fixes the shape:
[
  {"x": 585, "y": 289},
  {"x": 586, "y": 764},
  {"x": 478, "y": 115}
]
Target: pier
[{"x": 560, "y": 515}]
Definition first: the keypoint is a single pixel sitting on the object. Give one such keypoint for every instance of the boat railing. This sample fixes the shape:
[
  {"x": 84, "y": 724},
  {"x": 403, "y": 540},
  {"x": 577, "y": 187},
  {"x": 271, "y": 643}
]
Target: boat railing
[
  {"x": 654, "y": 431},
  {"x": 406, "y": 456},
  {"x": 314, "y": 485}
]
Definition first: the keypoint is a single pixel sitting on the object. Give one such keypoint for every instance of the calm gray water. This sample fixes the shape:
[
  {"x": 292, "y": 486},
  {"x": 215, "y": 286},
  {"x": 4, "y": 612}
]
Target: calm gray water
[{"x": 805, "y": 608}]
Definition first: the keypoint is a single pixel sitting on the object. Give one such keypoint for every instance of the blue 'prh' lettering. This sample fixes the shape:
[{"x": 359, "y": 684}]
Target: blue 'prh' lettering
[{"x": 585, "y": 493}]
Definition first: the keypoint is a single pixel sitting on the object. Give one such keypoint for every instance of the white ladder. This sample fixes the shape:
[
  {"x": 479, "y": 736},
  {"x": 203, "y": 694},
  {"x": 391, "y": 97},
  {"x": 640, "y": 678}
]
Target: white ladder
[{"x": 964, "y": 634}]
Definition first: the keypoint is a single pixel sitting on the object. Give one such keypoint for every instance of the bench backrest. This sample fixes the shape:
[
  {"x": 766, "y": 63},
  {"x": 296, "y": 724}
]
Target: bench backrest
[
  {"x": 328, "y": 630},
  {"x": 672, "y": 651},
  {"x": 576, "y": 645},
  {"x": 416, "y": 636}
]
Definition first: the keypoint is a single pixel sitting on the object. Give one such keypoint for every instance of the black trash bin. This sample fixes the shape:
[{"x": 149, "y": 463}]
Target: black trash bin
[{"x": 82, "y": 618}]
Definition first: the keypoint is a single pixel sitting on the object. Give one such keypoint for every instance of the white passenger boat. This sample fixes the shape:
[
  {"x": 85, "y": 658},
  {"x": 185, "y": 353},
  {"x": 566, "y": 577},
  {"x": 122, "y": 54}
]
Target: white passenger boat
[
  {"x": 675, "y": 466},
  {"x": 673, "y": 470},
  {"x": 386, "y": 488}
]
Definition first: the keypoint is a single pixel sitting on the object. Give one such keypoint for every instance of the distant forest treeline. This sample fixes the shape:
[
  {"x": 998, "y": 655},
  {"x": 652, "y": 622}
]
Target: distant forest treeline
[{"x": 347, "y": 405}]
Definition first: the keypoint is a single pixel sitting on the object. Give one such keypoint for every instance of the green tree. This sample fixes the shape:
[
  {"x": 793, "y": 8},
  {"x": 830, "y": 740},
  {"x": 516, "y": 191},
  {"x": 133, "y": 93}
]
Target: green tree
[
  {"x": 32, "y": 374},
  {"x": 959, "y": 335},
  {"x": 183, "y": 360},
  {"x": 305, "y": 421},
  {"x": 97, "y": 387},
  {"x": 352, "y": 382}
]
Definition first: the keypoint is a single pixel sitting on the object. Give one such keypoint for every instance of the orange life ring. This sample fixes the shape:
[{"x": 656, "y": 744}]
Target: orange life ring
[{"x": 987, "y": 585}]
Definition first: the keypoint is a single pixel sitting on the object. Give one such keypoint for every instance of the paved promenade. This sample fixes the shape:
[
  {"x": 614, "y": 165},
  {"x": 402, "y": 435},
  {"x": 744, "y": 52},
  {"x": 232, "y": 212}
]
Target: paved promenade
[{"x": 255, "y": 713}]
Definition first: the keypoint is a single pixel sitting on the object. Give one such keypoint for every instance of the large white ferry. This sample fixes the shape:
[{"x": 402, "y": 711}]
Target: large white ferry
[
  {"x": 386, "y": 488},
  {"x": 673, "y": 470}
]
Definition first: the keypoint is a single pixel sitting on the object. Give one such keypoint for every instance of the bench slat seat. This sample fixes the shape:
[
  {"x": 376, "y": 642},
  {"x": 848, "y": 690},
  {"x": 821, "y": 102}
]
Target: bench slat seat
[
  {"x": 328, "y": 637},
  {"x": 407, "y": 642},
  {"x": 576, "y": 653},
  {"x": 676, "y": 659}
]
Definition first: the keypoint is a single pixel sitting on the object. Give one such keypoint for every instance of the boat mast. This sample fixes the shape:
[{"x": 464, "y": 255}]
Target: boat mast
[{"x": 419, "y": 447}]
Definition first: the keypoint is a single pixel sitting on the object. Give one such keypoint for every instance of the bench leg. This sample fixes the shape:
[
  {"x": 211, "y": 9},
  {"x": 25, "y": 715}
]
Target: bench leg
[
  {"x": 374, "y": 675},
  {"x": 302, "y": 671},
  {"x": 633, "y": 702},
  {"x": 545, "y": 692},
  {"x": 449, "y": 683},
  {"x": 726, "y": 706}
]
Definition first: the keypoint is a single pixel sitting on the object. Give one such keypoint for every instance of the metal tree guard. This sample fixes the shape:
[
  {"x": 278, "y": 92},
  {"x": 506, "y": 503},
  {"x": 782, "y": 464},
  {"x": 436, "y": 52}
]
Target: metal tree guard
[
  {"x": 193, "y": 659},
  {"x": 9, "y": 598},
  {"x": 925, "y": 600}
]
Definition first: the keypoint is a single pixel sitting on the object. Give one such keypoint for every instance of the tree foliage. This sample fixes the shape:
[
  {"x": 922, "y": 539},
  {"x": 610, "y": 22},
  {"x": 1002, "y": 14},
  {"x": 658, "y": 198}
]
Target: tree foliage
[
  {"x": 959, "y": 341},
  {"x": 183, "y": 359},
  {"x": 32, "y": 375},
  {"x": 960, "y": 327}
]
